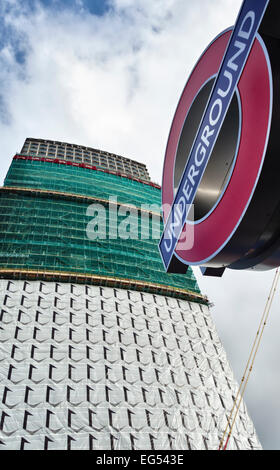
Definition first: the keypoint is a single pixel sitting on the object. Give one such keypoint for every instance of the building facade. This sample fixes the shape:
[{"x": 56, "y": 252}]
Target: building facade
[{"x": 99, "y": 347}]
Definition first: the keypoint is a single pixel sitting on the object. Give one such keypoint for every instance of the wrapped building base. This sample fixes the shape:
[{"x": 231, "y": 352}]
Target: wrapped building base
[{"x": 89, "y": 367}]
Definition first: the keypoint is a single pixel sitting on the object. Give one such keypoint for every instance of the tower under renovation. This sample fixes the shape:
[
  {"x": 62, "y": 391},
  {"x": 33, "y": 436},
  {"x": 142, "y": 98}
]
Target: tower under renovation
[{"x": 99, "y": 347}]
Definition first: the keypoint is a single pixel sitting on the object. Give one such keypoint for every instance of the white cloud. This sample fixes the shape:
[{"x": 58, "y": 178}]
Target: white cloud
[{"x": 113, "y": 82}]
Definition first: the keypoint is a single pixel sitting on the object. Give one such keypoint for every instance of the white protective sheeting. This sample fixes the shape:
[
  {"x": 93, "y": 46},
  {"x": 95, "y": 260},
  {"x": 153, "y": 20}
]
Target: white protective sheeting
[{"x": 85, "y": 367}]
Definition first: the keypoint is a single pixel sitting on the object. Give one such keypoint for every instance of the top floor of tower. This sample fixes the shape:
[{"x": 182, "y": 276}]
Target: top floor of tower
[{"x": 84, "y": 155}]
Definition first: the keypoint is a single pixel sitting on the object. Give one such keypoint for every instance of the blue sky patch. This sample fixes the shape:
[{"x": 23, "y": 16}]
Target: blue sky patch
[
  {"x": 10, "y": 37},
  {"x": 95, "y": 7}
]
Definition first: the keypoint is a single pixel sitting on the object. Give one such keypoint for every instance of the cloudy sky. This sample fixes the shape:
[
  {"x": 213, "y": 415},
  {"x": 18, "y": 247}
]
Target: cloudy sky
[{"x": 108, "y": 74}]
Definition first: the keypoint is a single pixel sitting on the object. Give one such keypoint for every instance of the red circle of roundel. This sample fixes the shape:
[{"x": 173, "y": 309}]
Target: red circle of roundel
[{"x": 255, "y": 90}]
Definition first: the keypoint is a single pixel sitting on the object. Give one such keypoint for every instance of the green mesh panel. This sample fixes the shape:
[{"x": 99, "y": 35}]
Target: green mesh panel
[
  {"x": 76, "y": 180},
  {"x": 49, "y": 233}
]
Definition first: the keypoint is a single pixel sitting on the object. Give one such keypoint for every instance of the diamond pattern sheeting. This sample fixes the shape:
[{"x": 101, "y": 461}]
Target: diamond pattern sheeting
[{"x": 84, "y": 367}]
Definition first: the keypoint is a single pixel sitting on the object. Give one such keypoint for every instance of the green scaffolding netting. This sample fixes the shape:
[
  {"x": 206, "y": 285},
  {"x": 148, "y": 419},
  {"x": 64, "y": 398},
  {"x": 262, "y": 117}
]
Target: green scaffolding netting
[
  {"x": 77, "y": 180},
  {"x": 48, "y": 232}
]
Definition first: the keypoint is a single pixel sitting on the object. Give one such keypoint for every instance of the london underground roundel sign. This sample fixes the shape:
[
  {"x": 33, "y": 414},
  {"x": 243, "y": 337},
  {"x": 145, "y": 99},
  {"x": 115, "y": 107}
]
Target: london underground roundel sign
[{"x": 221, "y": 177}]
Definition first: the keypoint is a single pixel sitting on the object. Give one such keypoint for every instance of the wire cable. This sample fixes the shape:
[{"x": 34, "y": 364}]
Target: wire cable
[{"x": 250, "y": 363}]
